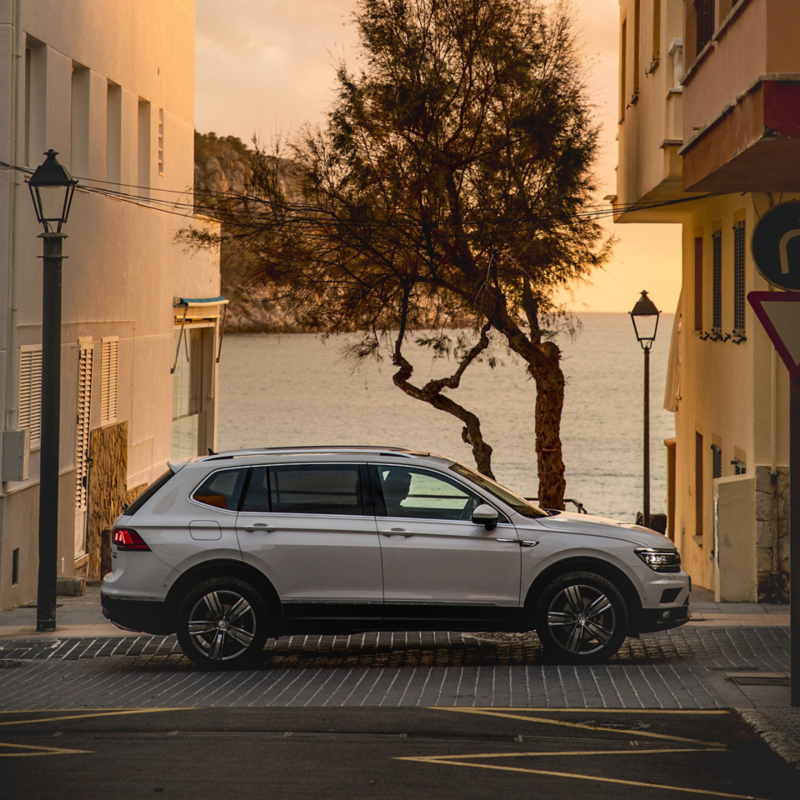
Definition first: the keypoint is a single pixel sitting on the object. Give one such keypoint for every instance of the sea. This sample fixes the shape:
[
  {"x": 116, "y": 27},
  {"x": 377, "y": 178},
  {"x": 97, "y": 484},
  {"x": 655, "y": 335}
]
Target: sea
[{"x": 303, "y": 389}]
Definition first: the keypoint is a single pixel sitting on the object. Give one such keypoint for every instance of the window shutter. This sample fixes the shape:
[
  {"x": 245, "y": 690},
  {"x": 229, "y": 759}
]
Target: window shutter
[
  {"x": 30, "y": 393},
  {"x": 108, "y": 393},
  {"x": 84, "y": 412}
]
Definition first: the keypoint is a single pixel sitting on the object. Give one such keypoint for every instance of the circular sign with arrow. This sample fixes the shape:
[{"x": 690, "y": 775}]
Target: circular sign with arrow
[{"x": 776, "y": 246}]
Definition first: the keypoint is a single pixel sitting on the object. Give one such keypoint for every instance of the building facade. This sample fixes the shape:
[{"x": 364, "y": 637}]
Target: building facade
[
  {"x": 709, "y": 138},
  {"x": 110, "y": 87}
]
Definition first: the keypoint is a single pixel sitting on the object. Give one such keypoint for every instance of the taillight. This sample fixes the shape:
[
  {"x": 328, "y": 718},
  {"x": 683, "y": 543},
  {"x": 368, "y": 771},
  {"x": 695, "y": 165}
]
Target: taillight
[{"x": 129, "y": 539}]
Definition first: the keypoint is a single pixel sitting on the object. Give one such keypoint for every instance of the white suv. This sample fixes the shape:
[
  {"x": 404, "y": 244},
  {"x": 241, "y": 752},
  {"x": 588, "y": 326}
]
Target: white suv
[{"x": 236, "y": 547}]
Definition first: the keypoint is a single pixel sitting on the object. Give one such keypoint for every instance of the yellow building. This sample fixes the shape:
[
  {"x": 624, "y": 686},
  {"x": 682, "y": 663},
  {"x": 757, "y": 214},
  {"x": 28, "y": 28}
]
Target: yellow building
[{"x": 709, "y": 138}]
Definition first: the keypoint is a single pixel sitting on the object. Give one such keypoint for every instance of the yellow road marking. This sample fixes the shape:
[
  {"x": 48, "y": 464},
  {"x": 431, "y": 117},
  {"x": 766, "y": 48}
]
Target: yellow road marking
[
  {"x": 578, "y": 776},
  {"x": 40, "y": 750},
  {"x": 579, "y": 725},
  {"x": 647, "y": 711},
  {"x": 637, "y": 752},
  {"x": 84, "y": 716}
]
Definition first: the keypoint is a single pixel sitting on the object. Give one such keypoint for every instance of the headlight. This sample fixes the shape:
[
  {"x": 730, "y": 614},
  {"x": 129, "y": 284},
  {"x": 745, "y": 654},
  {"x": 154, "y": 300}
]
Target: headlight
[{"x": 660, "y": 560}]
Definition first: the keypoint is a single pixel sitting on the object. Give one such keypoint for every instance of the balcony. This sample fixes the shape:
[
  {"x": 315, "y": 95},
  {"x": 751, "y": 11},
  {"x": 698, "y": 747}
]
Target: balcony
[{"x": 741, "y": 99}]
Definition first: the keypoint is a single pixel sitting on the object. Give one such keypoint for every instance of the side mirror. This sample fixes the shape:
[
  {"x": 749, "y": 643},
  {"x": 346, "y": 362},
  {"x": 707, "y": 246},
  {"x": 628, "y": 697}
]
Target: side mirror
[{"x": 485, "y": 515}]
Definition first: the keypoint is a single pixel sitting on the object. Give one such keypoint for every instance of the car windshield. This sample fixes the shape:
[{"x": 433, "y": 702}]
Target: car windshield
[{"x": 519, "y": 504}]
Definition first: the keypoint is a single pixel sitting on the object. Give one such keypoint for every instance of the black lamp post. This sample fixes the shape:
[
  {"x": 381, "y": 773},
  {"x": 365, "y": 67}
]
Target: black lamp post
[
  {"x": 645, "y": 324},
  {"x": 51, "y": 188}
]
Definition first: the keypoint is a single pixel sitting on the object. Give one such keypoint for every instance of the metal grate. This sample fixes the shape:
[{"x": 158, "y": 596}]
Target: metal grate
[
  {"x": 738, "y": 278},
  {"x": 716, "y": 461},
  {"x": 717, "y": 282},
  {"x": 758, "y": 680}
]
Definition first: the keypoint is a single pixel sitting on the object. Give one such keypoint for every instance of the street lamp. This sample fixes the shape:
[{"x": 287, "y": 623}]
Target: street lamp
[
  {"x": 51, "y": 189},
  {"x": 645, "y": 324}
]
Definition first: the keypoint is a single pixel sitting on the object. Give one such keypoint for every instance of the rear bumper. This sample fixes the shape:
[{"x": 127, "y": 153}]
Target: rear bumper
[
  {"x": 660, "y": 619},
  {"x": 138, "y": 615}
]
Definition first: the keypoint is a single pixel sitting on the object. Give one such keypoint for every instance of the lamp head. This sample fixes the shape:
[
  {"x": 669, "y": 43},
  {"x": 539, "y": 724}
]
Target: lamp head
[
  {"x": 51, "y": 188},
  {"x": 645, "y": 321}
]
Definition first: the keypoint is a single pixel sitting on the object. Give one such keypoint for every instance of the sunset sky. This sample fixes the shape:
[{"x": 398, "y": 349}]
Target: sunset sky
[{"x": 266, "y": 66}]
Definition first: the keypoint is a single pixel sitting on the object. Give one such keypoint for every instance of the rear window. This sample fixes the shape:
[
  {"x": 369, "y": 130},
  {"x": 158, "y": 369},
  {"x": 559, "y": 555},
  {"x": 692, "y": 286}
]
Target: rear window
[
  {"x": 222, "y": 489},
  {"x": 148, "y": 493}
]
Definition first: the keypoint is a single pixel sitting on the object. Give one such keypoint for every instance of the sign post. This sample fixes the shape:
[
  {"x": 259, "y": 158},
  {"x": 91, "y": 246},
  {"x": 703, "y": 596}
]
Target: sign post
[
  {"x": 779, "y": 313},
  {"x": 776, "y": 251}
]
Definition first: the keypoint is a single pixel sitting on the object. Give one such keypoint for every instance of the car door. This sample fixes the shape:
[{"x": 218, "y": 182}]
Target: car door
[
  {"x": 310, "y": 529},
  {"x": 434, "y": 557}
]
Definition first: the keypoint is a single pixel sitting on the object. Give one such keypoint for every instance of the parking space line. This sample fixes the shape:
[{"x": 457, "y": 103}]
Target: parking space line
[
  {"x": 491, "y": 712},
  {"x": 69, "y": 715},
  {"x": 578, "y": 776}
]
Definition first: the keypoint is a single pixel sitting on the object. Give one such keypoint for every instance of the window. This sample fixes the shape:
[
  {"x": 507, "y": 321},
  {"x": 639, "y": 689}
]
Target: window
[
  {"x": 222, "y": 489},
  {"x": 35, "y": 101},
  {"x": 656, "y": 33},
  {"x": 637, "y": 24},
  {"x": 113, "y": 136},
  {"x": 623, "y": 63},
  {"x": 80, "y": 121},
  {"x": 738, "y": 280},
  {"x": 143, "y": 190},
  {"x": 716, "y": 459},
  {"x": 160, "y": 141},
  {"x": 716, "y": 288},
  {"x": 109, "y": 373},
  {"x": 698, "y": 485},
  {"x": 423, "y": 495},
  {"x": 84, "y": 413},
  {"x": 30, "y": 393},
  {"x": 739, "y": 467},
  {"x": 698, "y": 283},
  {"x": 704, "y": 11},
  {"x": 15, "y": 567},
  {"x": 305, "y": 489}
]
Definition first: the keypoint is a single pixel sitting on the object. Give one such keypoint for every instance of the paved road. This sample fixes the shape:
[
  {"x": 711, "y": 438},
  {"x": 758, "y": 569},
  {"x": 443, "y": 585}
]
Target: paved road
[
  {"x": 387, "y": 753},
  {"x": 687, "y": 668}
]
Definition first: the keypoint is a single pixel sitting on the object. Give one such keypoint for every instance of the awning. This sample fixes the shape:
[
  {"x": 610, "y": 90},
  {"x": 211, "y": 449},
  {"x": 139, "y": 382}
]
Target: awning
[
  {"x": 198, "y": 302},
  {"x": 195, "y": 302}
]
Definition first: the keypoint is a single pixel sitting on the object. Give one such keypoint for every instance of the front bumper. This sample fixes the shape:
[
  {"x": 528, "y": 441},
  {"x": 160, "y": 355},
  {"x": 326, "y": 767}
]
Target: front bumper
[
  {"x": 661, "y": 619},
  {"x": 148, "y": 616}
]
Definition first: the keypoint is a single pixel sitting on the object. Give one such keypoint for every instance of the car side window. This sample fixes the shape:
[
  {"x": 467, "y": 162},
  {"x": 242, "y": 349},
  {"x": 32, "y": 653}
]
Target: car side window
[
  {"x": 415, "y": 493},
  {"x": 222, "y": 489},
  {"x": 305, "y": 489}
]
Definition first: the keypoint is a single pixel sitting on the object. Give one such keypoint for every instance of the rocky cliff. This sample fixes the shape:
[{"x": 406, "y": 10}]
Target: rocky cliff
[{"x": 222, "y": 164}]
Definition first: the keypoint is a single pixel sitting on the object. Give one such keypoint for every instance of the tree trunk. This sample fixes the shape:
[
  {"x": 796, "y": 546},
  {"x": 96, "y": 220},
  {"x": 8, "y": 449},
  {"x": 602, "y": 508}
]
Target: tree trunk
[{"x": 549, "y": 405}]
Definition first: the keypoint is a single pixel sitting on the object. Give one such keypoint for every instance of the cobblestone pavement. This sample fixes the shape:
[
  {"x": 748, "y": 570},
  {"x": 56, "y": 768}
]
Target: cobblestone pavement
[{"x": 684, "y": 668}]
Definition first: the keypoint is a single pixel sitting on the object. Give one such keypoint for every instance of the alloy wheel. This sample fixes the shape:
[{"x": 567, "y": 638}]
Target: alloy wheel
[
  {"x": 581, "y": 619},
  {"x": 222, "y": 625}
]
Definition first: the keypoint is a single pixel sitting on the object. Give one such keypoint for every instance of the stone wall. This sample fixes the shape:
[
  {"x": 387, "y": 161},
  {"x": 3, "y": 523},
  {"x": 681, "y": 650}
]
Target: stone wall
[
  {"x": 772, "y": 535},
  {"x": 108, "y": 487}
]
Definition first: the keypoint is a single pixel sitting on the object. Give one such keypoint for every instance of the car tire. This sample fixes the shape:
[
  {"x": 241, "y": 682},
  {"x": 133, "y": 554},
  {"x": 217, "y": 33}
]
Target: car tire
[
  {"x": 223, "y": 624},
  {"x": 581, "y": 618}
]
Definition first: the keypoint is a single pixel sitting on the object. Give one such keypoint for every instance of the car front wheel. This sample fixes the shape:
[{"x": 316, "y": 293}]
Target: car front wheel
[
  {"x": 581, "y": 618},
  {"x": 222, "y": 624}
]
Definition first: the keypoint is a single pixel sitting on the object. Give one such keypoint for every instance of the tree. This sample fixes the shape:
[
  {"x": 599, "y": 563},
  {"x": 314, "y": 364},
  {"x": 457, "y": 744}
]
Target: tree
[{"x": 449, "y": 187}]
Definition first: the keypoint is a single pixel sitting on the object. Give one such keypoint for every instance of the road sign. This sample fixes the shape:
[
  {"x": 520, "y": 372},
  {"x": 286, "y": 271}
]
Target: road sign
[
  {"x": 779, "y": 313},
  {"x": 776, "y": 246}
]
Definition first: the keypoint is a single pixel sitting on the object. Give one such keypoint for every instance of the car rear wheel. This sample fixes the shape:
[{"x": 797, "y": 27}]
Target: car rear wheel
[
  {"x": 581, "y": 618},
  {"x": 222, "y": 624}
]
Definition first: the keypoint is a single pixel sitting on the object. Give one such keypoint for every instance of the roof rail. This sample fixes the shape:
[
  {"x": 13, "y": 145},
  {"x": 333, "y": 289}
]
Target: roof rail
[{"x": 334, "y": 449}]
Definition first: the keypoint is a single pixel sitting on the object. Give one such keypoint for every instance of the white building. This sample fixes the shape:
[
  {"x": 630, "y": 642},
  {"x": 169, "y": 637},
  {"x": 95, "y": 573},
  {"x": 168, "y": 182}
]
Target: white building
[{"x": 110, "y": 87}]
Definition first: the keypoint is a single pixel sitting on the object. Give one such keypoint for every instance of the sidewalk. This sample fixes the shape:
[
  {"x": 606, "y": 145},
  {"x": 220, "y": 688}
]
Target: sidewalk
[{"x": 727, "y": 647}]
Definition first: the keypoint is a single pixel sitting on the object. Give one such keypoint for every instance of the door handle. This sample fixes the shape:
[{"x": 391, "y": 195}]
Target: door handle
[
  {"x": 505, "y": 540},
  {"x": 259, "y": 527},
  {"x": 397, "y": 533}
]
